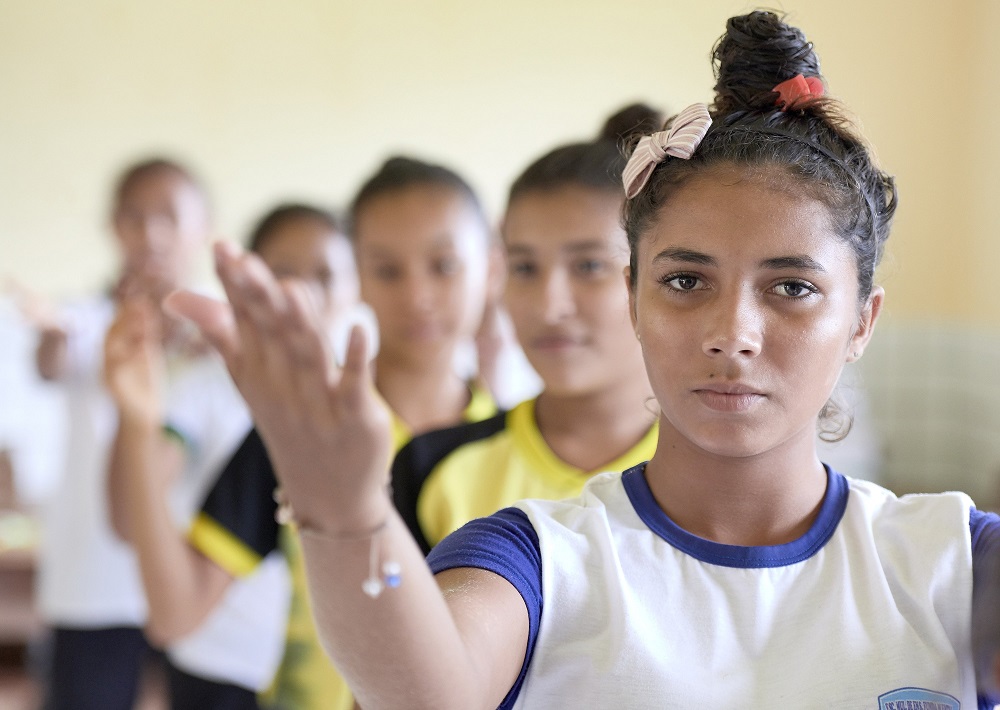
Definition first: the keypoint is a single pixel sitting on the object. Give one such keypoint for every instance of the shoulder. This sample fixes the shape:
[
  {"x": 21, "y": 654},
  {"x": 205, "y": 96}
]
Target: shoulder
[
  {"x": 415, "y": 461},
  {"x": 602, "y": 506},
  {"x": 504, "y": 543},
  {"x": 911, "y": 531},
  {"x": 241, "y": 501},
  {"x": 424, "y": 454},
  {"x": 882, "y": 505}
]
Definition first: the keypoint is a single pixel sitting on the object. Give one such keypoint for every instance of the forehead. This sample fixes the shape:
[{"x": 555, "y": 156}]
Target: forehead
[
  {"x": 563, "y": 217},
  {"x": 735, "y": 215},
  {"x": 159, "y": 187},
  {"x": 417, "y": 218},
  {"x": 307, "y": 238}
]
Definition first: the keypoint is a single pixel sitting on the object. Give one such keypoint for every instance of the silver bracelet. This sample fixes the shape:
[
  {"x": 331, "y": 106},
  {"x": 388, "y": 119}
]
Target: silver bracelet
[{"x": 375, "y": 583}]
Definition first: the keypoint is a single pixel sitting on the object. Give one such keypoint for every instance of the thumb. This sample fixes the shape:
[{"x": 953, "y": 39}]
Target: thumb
[{"x": 212, "y": 317}]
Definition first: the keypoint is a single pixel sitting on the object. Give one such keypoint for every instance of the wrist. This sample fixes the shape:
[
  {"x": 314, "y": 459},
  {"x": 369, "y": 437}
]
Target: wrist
[
  {"x": 346, "y": 519},
  {"x": 384, "y": 571},
  {"x": 139, "y": 419}
]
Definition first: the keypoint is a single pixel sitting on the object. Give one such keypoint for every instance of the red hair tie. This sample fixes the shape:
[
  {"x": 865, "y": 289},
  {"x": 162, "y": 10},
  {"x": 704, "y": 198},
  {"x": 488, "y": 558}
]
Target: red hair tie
[{"x": 797, "y": 90}]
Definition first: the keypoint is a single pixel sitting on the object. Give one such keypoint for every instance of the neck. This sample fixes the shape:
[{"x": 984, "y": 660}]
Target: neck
[
  {"x": 766, "y": 499},
  {"x": 590, "y": 430},
  {"x": 427, "y": 397}
]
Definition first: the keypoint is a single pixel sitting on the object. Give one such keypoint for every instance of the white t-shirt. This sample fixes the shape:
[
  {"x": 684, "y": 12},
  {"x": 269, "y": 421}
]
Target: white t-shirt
[
  {"x": 88, "y": 577},
  {"x": 873, "y": 608}
]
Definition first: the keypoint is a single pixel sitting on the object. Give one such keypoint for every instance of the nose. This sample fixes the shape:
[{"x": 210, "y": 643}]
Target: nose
[
  {"x": 734, "y": 327},
  {"x": 418, "y": 292},
  {"x": 558, "y": 299},
  {"x": 154, "y": 234}
]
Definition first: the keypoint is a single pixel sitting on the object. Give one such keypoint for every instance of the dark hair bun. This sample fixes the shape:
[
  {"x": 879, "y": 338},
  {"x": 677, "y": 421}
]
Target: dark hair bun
[
  {"x": 633, "y": 119},
  {"x": 758, "y": 52}
]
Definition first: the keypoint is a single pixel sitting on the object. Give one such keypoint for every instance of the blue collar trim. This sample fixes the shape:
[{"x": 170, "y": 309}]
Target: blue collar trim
[{"x": 822, "y": 529}]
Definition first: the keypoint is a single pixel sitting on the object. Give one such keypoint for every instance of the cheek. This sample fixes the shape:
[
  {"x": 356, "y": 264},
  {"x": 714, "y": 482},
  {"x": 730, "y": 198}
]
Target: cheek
[
  {"x": 523, "y": 311},
  {"x": 381, "y": 300},
  {"x": 607, "y": 310}
]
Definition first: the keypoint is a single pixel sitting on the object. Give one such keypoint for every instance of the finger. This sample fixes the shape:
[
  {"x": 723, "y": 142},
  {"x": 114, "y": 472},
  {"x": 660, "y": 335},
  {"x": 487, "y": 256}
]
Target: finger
[
  {"x": 248, "y": 282},
  {"x": 310, "y": 363},
  {"x": 355, "y": 379},
  {"x": 303, "y": 329},
  {"x": 257, "y": 303},
  {"x": 268, "y": 304},
  {"x": 213, "y": 318}
]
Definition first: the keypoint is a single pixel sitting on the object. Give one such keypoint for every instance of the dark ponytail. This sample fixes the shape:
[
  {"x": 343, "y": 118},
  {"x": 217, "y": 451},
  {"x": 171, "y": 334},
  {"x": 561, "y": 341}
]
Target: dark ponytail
[{"x": 597, "y": 164}]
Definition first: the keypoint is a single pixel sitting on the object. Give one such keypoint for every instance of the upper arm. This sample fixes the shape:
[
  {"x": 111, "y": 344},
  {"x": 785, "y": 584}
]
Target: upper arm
[
  {"x": 491, "y": 572},
  {"x": 50, "y": 353},
  {"x": 986, "y": 600},
  {"x": 492, "y": 619}
]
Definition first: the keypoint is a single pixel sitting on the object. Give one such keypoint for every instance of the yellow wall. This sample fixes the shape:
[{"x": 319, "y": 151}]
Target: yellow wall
[{"x": 272, "y": 100}]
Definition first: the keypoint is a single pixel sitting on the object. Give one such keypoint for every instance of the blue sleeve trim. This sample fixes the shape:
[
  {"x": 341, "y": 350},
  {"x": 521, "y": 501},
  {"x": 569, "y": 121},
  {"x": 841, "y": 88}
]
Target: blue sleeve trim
[
  {"x": 505, "y": 544},
  {"x": 985, "y": 529}
]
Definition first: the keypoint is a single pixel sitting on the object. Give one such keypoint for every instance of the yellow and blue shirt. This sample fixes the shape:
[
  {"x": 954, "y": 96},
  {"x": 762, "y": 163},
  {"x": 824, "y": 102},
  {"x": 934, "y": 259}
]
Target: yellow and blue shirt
[{"x": 443, "y": 479}]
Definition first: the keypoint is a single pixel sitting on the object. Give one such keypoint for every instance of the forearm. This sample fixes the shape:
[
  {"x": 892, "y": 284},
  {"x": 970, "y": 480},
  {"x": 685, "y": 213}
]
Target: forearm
[
  {"x": 181, "y": 585},
  {"x": 404, "y": 648},
  {"x": 51, "y": 353}
]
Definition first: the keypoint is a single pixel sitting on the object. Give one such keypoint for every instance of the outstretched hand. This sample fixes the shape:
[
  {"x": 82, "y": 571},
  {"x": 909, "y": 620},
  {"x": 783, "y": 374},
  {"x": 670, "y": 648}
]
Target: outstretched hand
[
  {"x": 326, "y": 429},
  {"x": 133, "y": 361},
  {"x": 38, "y": 311}
]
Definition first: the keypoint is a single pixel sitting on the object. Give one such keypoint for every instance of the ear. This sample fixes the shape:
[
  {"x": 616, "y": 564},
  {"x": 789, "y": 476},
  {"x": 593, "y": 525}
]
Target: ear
[
  {"x": 627, "y": 274},
  {"x": 866, "y": 324}
]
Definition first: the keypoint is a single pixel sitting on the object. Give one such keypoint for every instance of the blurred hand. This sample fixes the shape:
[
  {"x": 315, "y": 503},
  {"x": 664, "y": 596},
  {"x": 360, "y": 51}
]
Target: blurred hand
[
  {"x": 133, "y": 361},
  {"x": 326, "y": 430},
  {"x": 36, "y": 309}
]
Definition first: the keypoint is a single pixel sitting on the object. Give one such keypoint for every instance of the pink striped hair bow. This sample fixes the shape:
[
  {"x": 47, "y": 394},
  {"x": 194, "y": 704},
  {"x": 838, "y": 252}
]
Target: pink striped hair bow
[{"x": 680, "y": 141}]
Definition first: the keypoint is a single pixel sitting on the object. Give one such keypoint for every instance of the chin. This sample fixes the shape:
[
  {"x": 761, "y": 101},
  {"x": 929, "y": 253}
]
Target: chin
[
  {"x": 733, "y": 441},
  {"x": 563, "y": 385}
]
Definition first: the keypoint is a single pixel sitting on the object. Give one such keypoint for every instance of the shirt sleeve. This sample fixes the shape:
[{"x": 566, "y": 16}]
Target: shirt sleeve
[
  {"x": 506, "y": 544},
  {"x": 236, "y": 527},
  {"x": 985, "y": 600}
]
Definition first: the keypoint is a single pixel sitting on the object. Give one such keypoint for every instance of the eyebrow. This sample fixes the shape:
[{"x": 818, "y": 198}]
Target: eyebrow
[
  {"x": 689, "y": 256},
  {"x": 574, "y": 248},
  {"x": 441, "y": 242},
  {"x": 799, "y": 261}
]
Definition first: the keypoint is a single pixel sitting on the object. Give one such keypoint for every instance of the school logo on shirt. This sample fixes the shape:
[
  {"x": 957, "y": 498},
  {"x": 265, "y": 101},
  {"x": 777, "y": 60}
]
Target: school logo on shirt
[{"x": 917, "y": 699}]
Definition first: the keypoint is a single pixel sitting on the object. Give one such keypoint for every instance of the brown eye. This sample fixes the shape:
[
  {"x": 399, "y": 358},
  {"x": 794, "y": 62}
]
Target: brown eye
[
  {"x": 683, "y": 282},
  {"x": 522, "y": 269},
  {"x": 794, "y": 289},
  {"x": 446, "y": 266},
  {"x": 386, "y": 272},
  {"x": 589, "y": 267}
]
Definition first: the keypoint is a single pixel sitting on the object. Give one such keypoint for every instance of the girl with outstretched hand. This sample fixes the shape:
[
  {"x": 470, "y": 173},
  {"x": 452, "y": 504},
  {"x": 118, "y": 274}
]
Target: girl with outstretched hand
[
  {"x": 218, "y": 588},
  {"x": 89, "y": 587},
  {"x": 733, "y": 568}
]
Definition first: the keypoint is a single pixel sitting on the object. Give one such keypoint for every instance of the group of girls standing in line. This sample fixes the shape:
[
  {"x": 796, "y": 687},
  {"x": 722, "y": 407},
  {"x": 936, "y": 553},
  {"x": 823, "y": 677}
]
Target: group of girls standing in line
[
  {"x": 216, "y": 581},
  {"x": 731, "y": 569},
  {"x": 688, "y": 313}
]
